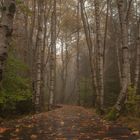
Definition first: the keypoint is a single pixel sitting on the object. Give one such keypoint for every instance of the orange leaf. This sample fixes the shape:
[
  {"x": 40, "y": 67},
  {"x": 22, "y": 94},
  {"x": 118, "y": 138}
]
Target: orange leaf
[{"x": 2, "y": 130}]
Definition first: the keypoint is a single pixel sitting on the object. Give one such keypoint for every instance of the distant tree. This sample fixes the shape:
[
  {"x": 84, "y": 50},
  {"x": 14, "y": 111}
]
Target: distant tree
[{"x": 53, "y": 55}]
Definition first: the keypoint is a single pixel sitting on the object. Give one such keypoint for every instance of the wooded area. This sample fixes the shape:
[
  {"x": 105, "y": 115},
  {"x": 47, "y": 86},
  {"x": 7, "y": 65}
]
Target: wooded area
[{"x": 75, "y": 52}]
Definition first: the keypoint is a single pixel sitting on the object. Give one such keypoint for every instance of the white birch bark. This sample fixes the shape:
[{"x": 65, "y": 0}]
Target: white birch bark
[
  {"x": 39, "y": 49},
  {"x": 100, "y": 53},
  {"x": 125, "y": 55}
]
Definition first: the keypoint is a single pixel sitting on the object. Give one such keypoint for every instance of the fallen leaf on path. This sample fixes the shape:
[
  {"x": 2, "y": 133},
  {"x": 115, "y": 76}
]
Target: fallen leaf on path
[
  {"x": 135, "y": 133},
  {"x": 17, "y": 130},
  {"x": 33, "y": 137},
  {"x": 29, "y": 126},
  {"x": 2, "y": 130},
  {"x": 62, "y": 123},
  {"x": 73, "y": 126}
]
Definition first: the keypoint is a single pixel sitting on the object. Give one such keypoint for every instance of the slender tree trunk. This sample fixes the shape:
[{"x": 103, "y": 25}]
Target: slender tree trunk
[
  {"x": 43, "y": 53},
  {"x": 30, "y": 43},
  {"x": 137, "y": 69},
  {"x": 117, "y": 47},
  {"x": 6, "y": 29},
  {"x": 125, "y": 55},
  {"x": 100, "y": 53},
  {"x": 78, "y": 56},
  {"x": 39, "y": 62},
  {"x": 26, "y": 32},
  {"x": 52, "y": 55},
  {"x": 106, "y": 29},
  {"x": 32, "y": 49},
  {"x": 62, "y": 72},
  {"x": 65, "y": 61},
  {"x": 118, "y": 62}
]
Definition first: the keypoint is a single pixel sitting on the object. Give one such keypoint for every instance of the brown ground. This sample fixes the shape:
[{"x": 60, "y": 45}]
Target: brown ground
[{"x": 66, "y": 123}]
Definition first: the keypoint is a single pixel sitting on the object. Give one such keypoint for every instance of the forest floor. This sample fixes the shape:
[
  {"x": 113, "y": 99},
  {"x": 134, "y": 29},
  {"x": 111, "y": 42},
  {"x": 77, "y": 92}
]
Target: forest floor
[{"x": 65, "y": 123}]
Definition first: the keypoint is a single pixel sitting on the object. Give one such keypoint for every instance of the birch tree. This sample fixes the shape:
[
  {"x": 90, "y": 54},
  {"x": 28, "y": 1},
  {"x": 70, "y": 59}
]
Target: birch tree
[
  {"x": 90, "y": 48},
  {"x": 52, "y": 54},
  {"x": 124, "y": 18},
  {"x": 100, "y": 53},
  {"x": 38, "y": 59}
]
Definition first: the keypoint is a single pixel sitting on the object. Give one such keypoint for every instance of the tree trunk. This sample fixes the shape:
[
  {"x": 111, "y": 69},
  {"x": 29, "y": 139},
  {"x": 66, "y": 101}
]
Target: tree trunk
[
  {"x": 6, "y": 29},
  {"x": 137, "y": 69},
  {"x": 39, "y": 63},
  {"x": 52, "y": 55},
  {"x": 100, "y": 53},
  {"x": 78, "y": 57},
  {"x": 125, "y": 55},
  {"x": 92, "y": 57}
]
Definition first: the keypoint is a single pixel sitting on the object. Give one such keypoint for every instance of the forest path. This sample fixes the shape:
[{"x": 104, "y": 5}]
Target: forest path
[{"x": 66, "y": 123}]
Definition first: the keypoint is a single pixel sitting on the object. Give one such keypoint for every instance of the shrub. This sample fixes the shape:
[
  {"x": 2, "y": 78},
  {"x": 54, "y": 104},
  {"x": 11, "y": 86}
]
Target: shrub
[{"x": 15, "y": 94}]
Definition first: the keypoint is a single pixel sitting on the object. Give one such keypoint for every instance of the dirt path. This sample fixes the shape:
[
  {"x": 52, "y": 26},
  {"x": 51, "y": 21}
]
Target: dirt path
[{"x": 66, "y": 123}]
